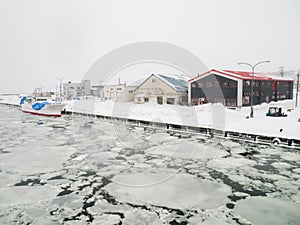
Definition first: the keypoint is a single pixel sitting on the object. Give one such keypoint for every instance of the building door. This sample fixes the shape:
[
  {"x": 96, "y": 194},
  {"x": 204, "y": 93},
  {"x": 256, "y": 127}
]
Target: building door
[
  {"x": 171, "y": 101},
  {"x": 159, "y": 100}
]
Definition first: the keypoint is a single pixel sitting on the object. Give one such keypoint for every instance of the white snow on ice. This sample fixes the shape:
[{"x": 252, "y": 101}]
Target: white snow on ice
[{"x": 181, "y": 191}]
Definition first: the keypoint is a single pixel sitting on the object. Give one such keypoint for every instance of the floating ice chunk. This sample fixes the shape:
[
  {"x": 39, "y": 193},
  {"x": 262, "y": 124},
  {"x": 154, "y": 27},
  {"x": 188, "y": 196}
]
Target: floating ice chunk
[
  {"x": 106, "y": 219},
  {"x": 6, "y": 179},
  {"x": 76, "y": 222},
  {"x": 281, "y": 165},
  {"x": 100, "y": 157},
  {"x": 239, "y": 178},
  {"x": 102, "y": 206},
  {"x": 297, "y": 198},
  {"x": 36, "y": 212},
  {"x": 297, "y": 170},
  {"x": 230, "y": 163},
  {"x": 25, "y": 194},
  {"x": 44, "y": 221},
  {"x": 268, "y": 211},
  {"x": 209, "y": 221},
  {"x": 230, "y": 144},
  {"x": 160, "y": 138},
  {"x": 290, "y": 156},
  {"x": 180, "y": 191},
  {"x": 187, "y": 151},
  {"x": 36, "y": 159},
  {"x": 80, "y": 157},
  {"x": 141, "y": 217}
]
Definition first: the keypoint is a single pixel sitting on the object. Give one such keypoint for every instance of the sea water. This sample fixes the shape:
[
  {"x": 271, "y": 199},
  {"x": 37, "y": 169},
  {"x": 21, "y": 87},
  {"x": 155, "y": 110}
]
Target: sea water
[{"x": 83, "y": 170}]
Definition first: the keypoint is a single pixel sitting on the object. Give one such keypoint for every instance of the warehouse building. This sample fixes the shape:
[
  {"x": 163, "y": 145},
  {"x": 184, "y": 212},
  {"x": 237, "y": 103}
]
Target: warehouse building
[{"x": 233, "y": 88}]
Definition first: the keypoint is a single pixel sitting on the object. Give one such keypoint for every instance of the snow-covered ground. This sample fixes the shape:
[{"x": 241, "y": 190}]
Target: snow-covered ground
[{"x": 209, "y": 115}]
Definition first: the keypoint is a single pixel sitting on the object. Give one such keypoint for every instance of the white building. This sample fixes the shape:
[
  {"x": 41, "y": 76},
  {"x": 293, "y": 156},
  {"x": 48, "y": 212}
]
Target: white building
[
  {"x": 117, "y": 92},
  {"x": 73, "y": 90}
]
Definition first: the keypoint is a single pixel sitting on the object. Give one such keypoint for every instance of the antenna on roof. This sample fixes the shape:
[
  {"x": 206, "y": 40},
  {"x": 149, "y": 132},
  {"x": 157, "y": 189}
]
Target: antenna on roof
[{"x": 281, "y": 71}]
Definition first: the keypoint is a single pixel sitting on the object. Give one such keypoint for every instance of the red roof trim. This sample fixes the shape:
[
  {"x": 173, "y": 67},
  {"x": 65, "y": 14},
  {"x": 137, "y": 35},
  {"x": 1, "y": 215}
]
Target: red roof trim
[
  {"x": 199, "y": 75},
  {"x": 243, "y": 75}
]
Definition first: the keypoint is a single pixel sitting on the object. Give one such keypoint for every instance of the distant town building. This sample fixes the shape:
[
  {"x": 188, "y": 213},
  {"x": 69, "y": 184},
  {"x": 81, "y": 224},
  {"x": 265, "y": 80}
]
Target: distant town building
[
  {"x": 113, "y": 92},
  {"x": 96, "y": 90},
  {"x": 117, "y": 92},
  {"x": 73, "y": 90},
  {"x": 233, "y": 88},
  {"x": 162, "y": 89}
]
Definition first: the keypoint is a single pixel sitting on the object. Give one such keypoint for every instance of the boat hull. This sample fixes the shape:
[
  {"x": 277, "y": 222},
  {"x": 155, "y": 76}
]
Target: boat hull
[{"x": 47, "y": 110}]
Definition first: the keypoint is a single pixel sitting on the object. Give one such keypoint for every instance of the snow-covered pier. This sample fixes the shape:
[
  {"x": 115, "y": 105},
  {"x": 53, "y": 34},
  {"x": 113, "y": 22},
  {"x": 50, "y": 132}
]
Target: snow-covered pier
[
  {"x": 185, "y": 131},
  {"x": 197, "y": 120}
]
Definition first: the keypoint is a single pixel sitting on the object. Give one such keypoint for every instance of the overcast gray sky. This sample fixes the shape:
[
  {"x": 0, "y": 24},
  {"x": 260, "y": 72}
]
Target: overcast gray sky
[{"x": 43, "y": 40}]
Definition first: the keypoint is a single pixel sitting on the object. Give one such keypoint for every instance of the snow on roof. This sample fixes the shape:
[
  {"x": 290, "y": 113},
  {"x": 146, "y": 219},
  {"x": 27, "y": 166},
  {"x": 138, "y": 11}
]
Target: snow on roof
[
  {"x": 244, "y": 75},
  {"x": 179, "y": 83}
]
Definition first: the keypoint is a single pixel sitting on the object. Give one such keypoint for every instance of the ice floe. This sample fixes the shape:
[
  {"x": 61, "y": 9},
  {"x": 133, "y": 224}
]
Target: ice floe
[
  {"x": 268, "y": 211},
  {"x": 25, "y": 194},
  {"x": 179, "y": 191}
]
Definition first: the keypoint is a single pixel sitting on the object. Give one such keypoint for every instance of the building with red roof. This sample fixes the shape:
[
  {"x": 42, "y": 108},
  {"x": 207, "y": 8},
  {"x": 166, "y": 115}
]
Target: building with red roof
[{"x": 233, "y": 88}]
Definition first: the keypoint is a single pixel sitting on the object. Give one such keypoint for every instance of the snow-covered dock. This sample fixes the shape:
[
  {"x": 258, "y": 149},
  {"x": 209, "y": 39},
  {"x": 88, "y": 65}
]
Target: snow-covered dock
[{"x": 212, "y": 120}]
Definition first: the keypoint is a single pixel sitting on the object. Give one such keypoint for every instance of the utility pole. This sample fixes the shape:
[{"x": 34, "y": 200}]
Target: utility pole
[
  {"x": 297, "y": 90},
  {"x": 281, "y": 71},
  {"x": 60, "y": 86}
]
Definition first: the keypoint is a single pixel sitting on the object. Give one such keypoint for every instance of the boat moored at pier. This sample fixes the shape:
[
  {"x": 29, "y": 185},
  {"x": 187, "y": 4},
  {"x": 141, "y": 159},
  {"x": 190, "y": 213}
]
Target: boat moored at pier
[{"x": 41, "y": 107}]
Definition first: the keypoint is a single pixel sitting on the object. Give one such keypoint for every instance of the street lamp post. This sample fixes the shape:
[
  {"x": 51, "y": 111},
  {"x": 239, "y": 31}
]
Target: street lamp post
[{"x": 252, "y": 67}]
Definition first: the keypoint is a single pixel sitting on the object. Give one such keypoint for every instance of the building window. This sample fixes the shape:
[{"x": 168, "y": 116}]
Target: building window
[
  {"x": 146, "y": 99},
  {"x": 171, "y": 101},
  {"x": 220, "y": 100},
  {"x": 246, "y": 100},
  {"x": 230, "y": 102},
  {"x": 217, "y": 84},
  {"x": 209, "y": 84},
  {"x": 225, "y": 84},
  {"x": 159, "y": 100},
  {"x": 118, "y": 94},
  {"x": 153, "y": 80},
  {"x": 233, "y": 84}
]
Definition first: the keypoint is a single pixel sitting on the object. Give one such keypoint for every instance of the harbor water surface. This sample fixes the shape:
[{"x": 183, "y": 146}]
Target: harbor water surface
[{"x": 83, "y": 170}]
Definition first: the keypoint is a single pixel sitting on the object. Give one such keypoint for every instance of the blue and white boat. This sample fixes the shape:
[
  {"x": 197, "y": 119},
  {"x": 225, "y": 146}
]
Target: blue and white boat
[{"x": 41, "y": 106}]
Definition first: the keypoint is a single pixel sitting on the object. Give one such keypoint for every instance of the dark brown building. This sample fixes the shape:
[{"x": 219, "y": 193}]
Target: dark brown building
[{"x": 233, "y": 88}]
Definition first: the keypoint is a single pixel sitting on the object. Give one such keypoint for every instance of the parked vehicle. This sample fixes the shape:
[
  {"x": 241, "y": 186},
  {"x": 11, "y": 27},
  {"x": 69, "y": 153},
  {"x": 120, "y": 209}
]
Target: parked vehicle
[{"x": 275, "y": 112}]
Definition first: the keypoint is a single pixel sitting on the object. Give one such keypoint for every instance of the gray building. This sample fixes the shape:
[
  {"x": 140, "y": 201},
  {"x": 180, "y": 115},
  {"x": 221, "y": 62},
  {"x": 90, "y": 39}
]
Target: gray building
[{"x": 73, "y": 90}]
